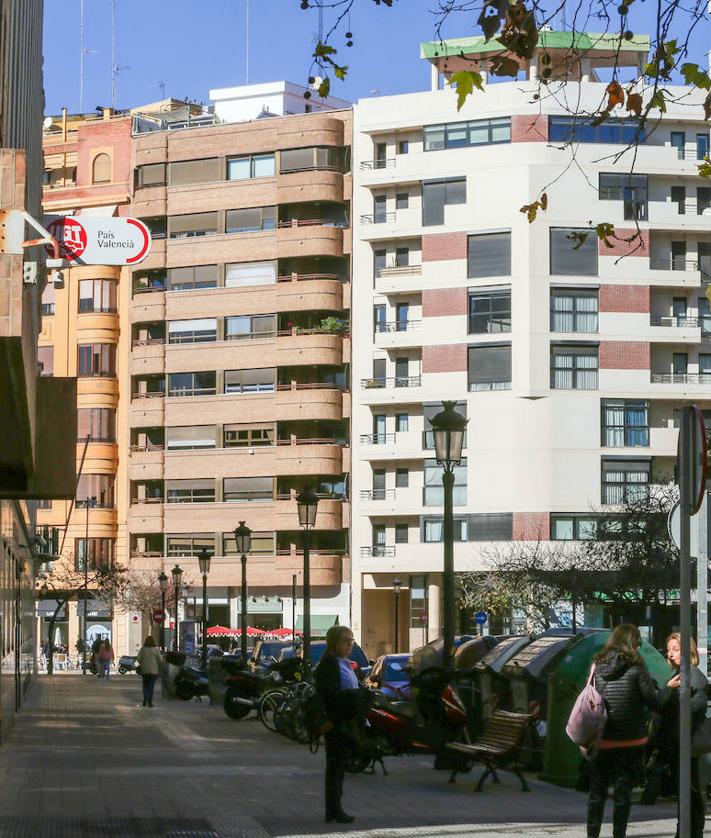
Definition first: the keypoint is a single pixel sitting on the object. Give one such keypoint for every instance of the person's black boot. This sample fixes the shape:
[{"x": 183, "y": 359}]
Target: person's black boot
[{"x": 340, "y": 817}]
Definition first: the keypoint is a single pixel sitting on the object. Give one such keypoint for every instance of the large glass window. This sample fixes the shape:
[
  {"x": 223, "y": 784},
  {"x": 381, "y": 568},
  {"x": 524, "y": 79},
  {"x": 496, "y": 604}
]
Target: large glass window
[
  {"x": 625, "y": 481},
  {"x": 45, "y": 360},
  {"x": 433, "y": 529},
  {"x": 429, "y": 411},
  {"x": 190, "y": 491},
  {"x": 97, "y": 422},
  {"x": 101, "y": 169},
  {"x": 97, "y": 295},
  {"x": 250, "y": 381},
  {"x": 250, "y": 166},
  {"x": 572, "y": 255},
  {"x": 151, "y": 175},
  {"x": 189, "y": 544},
  {"x": 631, "y": 189},
  {"x": 247, "y": 489},
  {"x": 96, "y": 359},
  {"x": 250, "y": 273},
  {"x": 192, "y": 384},
  {"x": 702, "y": 146},
  {"x": 192, "y": 278},
  {"x": 250, "y": 220},
  {"x": 625, "y": 423},
  {"x": 576, "y": 129},
  {"x": 195, "y": 171},
  {"x": 490, "y": 367},
  {"x": 48, "y": 299},
  {"x": 574, "y": 367},
  {"x": 460, "y": 134},
  {"x": 433, "y": 494},
  {"x": 436, "y": 194},
  {"x": 100, "y": 553},
  {"x": 203, "y": 330},
  {"x": 97, "y": 486},
  {"x": 190, "y": 437},
  {"x": 489, "y": 254},
  {"x": 192, "y": 225},
  {"x": 573, "y": 527},
  {"x": 491, "y": 526},
  {"x": 248, "y": 436},
  {"x": 573, "y": 310},
  {"x": 263, "y": 544},
  {"x": 489, "y": 312},
  {"x": 319, "y": 157},
  {"x": 250, "y": 327}
]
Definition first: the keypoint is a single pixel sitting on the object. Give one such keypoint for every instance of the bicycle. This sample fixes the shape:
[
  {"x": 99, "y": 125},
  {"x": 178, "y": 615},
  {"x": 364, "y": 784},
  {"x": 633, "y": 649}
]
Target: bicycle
[{"x": 269, "y": 704}]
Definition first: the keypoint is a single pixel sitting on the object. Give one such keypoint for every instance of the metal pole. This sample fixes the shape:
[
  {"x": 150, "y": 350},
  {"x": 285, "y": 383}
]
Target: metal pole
[
  {"x": 448, "y": 581},
  {"x": 204, "y": 622},
  {"x": 397, "y": 621},
  {"x": 702, "y": 572},
  {"x": 243, "y": 621},
  {"x": 307, "y": 604},
  {"x": 293, "y": 611},
  {"x": 162, "y": 625},
  {"x": 175, "y": 633},
  {"x": 685, "y": 483},
  {"x": 86, "y": 586}
]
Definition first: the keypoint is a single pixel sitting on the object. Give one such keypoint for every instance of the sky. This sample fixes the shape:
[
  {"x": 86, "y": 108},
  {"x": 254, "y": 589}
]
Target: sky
[{"x": 195, "y": 45}]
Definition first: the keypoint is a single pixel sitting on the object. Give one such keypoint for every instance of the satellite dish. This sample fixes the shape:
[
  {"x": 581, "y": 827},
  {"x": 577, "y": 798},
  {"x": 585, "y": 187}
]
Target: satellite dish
[{"x": 47, "y": 123}]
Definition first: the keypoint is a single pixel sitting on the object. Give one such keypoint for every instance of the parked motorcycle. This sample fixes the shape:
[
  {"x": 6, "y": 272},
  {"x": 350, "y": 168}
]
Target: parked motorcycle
[
  {"x": 126, "y": 664},
  {"x": 191, "y": 682},
  {"x": 245, "y": 688}
]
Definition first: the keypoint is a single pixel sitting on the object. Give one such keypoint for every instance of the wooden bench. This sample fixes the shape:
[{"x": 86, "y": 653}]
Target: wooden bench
[{"x": 498, "y": 747}]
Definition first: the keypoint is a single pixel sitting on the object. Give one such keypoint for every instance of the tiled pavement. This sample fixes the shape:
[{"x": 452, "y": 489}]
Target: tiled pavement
[{"x": 85, "y": 760}]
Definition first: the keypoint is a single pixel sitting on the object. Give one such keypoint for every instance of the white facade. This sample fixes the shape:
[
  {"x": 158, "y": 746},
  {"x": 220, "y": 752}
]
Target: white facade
[
  {"x": 533, "y": 450},
  {"x": 279, "y": 98}
]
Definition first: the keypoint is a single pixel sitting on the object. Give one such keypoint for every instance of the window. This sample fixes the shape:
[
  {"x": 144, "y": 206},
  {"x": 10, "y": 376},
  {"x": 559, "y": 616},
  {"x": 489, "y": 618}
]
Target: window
[
  {"x": 678, "y": 197},
  {"x": 402, "y": 422},
  {"x": 380, "y": 206},
  {"x": 381, "y": 155},
  {"x": 190, "y": 437},
  {"x": 379, "y": 318},
  {"x": 242, "y": 275},
  {"x": 192, "y": 225},
  {"x": 191, "y": 384},
  {"x": 402, "y": 257},
  {"x": 429, "y": 411},
  {"x": 190, "y": 491},
  {"x": 100, "y": 553},
  {"x": 573, "y": 527},
  {"x": 250, "y": 327},
  {"x": 459, "y": 134},
  {"x": 192, "y": 278},
  {"x": 573, "y": 129},
  {"x": 151, "y": 175},
  {"x": 573, "y": 311},
  {"x": 401, "y": 534},
  {"x": 248, "y": 436},
  {"x": 45, "y": 360},
  {"x": 203, "y": 330},
  {"x": 702, "y": 146},
  {"x": 97, "y": 295},
  {"x": 250, "y": 220},
  {"x": 625, "y": 481},
  {"x": 250, "y": 381},
  {"x": 704, "y": 252},
  {"x": 48, "y": 297},
  {"x": 678, "y": 255},
  {"x": 97, "y": 360},
  {"x": 379, "y": 372},
  {"x": 101, "y": 169},
  {"x": 678, "y": 141},
  {"x": 97, "y": 422},
  {"x": 379, "y": 437},
  {"x": 250, "y": 166},
  {"x": 489, "y": 312},
  {"x": 433, "y": 494},
  {"x": 632, "y": 189},
  {"x": 489, "y": 254},
  {"x": 436, "y": 194},
  {"x": 572, "y": 255},
  {"x": 402, "y": 316},
  {"x": 703, "y": 199},
  {"x": 195, "y": 171},
  {"x": 189, "y": 544},
  {"x": 625, "y": 423},
  {"x": 680, "y": 363},
  {"x": 490, "y": 367},
  {"x": 433, "y": 530},
  {"x": 378, "y": 540},
  {"x": 97, "y": 486},
  {"x": 248, "y": 489},
  {"x": 379, "y": 261},
  {"x": 402, "y": 200},
  {"x": 419, "y": 605},
  {"x": 574, "y": 367},
  {"x": 496, "y": 526},
  {"x": 402, "y": 478},
  {"x": 319, "y": 157},
  {"x": 403, "y": 147},
  {"x": 402, "y": 372},
  {"x": 263, "y": 544}
]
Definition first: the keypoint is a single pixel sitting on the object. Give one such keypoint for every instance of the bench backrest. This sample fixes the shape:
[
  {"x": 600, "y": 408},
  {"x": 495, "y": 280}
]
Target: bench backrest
[{"x": 505, "y": 730}]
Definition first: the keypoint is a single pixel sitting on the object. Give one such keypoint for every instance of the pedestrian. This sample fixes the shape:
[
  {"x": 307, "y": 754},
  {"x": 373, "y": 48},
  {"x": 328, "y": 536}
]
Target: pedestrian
[
  {"x": 106, "y": 658},
  {"x": 627, "y": 687},
  {"x": 666, "y": 728},
  {"x": 148, "y": 663},
  {"x": 337, "y": 685}
]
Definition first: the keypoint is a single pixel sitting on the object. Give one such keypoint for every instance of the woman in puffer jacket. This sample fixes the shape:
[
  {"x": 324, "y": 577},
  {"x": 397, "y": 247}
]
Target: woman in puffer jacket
[{"x": 627, "y": 687}]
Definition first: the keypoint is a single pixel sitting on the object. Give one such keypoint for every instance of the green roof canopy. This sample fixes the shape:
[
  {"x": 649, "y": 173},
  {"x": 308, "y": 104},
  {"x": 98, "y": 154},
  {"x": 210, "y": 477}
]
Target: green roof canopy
[{"x": 320, "y": 623}]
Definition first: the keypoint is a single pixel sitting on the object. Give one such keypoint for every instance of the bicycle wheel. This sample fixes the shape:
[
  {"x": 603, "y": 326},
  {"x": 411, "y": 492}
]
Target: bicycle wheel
[
  {"x": 298, "y": 723},
  {"x": 269, "y": 703},
  {"x": 281, "y": 717}
]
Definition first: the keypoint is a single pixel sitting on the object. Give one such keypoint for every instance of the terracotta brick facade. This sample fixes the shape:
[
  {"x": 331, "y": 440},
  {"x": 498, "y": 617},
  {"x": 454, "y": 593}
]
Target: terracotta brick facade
[
  {"x": 637, "y": 246},
  {"x": 529, "y": 129},
  {"x": 451, "y": 357},
  {"x": 438, "y": 246},
  {"x": 531, "y": 526},
  {"x": 443, "y": 302},
  {"x": 625, "y": 355},
  {"x": 627, "y": 299}
]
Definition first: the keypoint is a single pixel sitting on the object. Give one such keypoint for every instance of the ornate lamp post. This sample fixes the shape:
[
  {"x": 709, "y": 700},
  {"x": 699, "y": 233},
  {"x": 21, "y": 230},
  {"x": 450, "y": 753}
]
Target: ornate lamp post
[
  {"x": 307, "y": 504},
  {"x": 448, "y": 428},
  {"x": 243, "y": 539},
  {"x": 89, "y": 503},
  {"x": 163, "y": 582},
  {"x": 177, "y": 573},
  {"x": 204, "y": 562},
  {"x": 397, "y": 587}
]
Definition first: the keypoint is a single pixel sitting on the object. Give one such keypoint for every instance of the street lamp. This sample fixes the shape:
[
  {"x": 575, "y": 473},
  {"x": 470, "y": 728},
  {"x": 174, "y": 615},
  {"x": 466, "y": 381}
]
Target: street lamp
[
  {"x": 204, "y": 562},
  {"x": 307, "y": 504},
  {"x": 177, "y": 574},
  {"x": 243, "y": 539},
  {"x": 448, "y": 429},
  {"x": 163, "y": 582},
  {"x": 90, "y": 503},
  {"x": 397, "y": 587}
]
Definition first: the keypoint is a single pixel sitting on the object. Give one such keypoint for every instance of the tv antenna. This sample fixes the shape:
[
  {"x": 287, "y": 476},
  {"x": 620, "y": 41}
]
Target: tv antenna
[
  {"x": 82, "y": 52},
  {"x": 160, "y": 84},
  {"x": 246, "y": 52},
  {"x": 115, "y": 66}
]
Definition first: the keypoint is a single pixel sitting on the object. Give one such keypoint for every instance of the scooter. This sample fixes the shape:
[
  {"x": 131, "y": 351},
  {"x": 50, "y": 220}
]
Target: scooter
[
  {"x": 126, "y": 664},
  {"x": 245, "y": 688},
  {"x": 191, "y": 682}
]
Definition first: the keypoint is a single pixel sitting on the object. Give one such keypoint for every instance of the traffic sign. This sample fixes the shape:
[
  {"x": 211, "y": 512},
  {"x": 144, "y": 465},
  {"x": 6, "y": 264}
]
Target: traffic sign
[
  {"x": 93, "y": 240},
  {"x": 481, "y": 617},
  {"x": 158, "y": 616},
  {"x": 674, "y": 527},
  {"x": 698, "y": 461}
]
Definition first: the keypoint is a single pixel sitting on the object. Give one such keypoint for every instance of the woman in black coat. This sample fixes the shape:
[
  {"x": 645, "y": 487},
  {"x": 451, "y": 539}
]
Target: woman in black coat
[{"x": 337, "y": 684}]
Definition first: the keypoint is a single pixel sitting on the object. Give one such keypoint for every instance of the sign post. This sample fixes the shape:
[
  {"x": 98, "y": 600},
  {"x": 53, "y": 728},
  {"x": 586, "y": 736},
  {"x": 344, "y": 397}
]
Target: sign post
[{"x": 93, "y": 240}]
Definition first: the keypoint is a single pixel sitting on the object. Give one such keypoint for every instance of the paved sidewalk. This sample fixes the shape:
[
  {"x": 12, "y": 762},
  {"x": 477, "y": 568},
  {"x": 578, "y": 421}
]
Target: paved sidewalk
[{"x": 85, "y": 759}]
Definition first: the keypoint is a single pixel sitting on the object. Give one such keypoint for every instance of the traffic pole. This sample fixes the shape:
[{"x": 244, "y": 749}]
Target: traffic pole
[{"x": 702, "y": 572}]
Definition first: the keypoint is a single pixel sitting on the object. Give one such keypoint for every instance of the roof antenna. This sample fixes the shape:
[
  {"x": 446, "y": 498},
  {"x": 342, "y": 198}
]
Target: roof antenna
[
  {"x": 82, "y": 52},
  {"x": 246, "y": 52},
  {"x": 115, "y": 67},
  {"x": 161, "y": 85}
]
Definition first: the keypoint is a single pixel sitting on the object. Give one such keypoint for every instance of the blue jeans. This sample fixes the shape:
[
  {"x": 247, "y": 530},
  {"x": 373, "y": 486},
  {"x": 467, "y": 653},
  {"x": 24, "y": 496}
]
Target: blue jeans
[
  {"x": 149, "y": 683},
  {"x": 104, "y": 668}
]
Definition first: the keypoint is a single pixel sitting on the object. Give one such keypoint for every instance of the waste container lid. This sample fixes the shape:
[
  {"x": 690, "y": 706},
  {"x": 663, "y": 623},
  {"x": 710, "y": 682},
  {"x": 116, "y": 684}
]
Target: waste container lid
[
  {"x": 504, "y": 650},
  {"x": 469, "y": 653},
  {"x": 533, "y": 659}
]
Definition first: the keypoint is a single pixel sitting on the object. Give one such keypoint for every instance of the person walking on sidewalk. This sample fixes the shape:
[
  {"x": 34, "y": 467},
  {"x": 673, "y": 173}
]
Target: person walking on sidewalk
[
  {"x": 148, "y": 662},
  {"x": 106, "y": 658},
  {"x": 627, "y": 687}
]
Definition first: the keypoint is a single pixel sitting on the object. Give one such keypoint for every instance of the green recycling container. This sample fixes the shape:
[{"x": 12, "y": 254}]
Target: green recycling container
[{"x": 562, "y": 757}]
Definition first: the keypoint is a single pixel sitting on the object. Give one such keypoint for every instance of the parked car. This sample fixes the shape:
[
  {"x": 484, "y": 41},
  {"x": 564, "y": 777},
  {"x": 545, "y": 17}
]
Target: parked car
[
  {"x": 318, "y": 647},
  {"x": 265, "y": 653},
  {"x": 391, "y": 674}
]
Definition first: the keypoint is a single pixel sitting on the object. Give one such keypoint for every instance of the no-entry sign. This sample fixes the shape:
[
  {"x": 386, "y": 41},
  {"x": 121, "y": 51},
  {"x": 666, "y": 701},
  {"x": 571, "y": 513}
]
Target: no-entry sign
[
  {"x": 92, "y": 240},
  {"x": 158, "y": 616}
]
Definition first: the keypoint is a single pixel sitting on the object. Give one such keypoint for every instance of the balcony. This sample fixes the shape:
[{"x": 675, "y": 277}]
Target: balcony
[
  {"x": 380, "y": 163},
  {"x": 379, "y": 551},
  {"x": 145, "y": 463},
  {"x": 389, "y": 225},
  {"x": 385, "y": 383},
  {"x": 308, "y": 401},
  {"x": 403, "y": 500},
  {"x": 398, "y": 334},
  {"x": 401, "y": 279},
  {"x": 310, "y": 292},
  {"x": 310, "y": 185},
  {"x": 309, "y": 238},
  {"x": 309, "y": 456},
  {"x": 676, "y": 322},
  {"x": 311, "y": 347},
  {"x": 680, "y": 271},
  {"x": 691, "y": 379},
  {"x": 404, "y": 445}
]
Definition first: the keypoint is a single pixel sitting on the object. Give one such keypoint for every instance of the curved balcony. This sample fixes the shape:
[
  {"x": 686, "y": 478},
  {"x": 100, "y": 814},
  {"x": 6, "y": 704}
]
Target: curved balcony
[
  {"x": 97, "y": 326},
  {"x": 149, "y": 202},
  {"x": 309, "y": 456},
  {"x": 221, "y": 409},
  {"x": 146, "y": 516},
  {"x": 145, "y": 463},
  {"x": 321, "y": 130},
  {"x": 147, "y": 410},
  {"x": 220, "y": 462},
  {"x": 97, "y": 386},
  {"x": 309, "y": 292},
  {"x": 326, "y": 567},
  {"x": 310, "y": 185},
  {"x": 148, "y": 306},
  {"x": 329, "y": 515},
  {"x": 310, "y": 239},
  {"x": 308, "y": 401},
  {"x": 223, "y": 354},
  {"x": 147, "y": 357},
  {"x": 156, "y": 256},
  {"x": 309, "y": 349},
  {"x": 101, "y": 457}
]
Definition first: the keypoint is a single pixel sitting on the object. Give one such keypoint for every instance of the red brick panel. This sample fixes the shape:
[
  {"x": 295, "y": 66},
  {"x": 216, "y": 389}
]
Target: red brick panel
[
  {"x": 531, "y": 526},
  {"x": 450, "y": 357},
  {"x": 437, "y": 246},
  {"x": 529, "y": 129},
  {"x": 110, "y": 136},
  {"x": 624, "y": 355},
  {"x": 442, "y": 302},
  {"x": 637, "y": 243},
  {"x": 627, "y": 299}
]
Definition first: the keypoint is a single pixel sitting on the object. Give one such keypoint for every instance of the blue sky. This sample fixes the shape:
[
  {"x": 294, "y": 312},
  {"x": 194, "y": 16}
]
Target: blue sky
[{"x": 193, "y": 45}]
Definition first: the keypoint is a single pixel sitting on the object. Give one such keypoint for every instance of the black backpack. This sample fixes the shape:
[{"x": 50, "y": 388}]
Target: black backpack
[{"x": 316, "y": 718}]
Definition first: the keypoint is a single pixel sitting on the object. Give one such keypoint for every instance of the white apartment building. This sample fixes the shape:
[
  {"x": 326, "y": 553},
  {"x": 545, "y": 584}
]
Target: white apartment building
[{"x": 570, "y": 363}]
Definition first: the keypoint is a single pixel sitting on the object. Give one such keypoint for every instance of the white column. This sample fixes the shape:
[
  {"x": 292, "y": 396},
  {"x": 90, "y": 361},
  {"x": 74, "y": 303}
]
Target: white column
[
  {"x": 434, "y": 629},
  {"x": 435, "y": 76},
  {"x": 585, "y": 69},
  {"x": 234, "y": 610}
]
